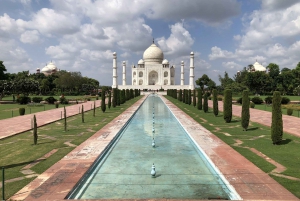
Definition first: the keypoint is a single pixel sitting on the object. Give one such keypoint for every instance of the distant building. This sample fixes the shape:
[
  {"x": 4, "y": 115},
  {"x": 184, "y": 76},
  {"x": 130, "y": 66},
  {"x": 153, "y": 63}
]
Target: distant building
[
  {"x": 257, "y": 67},
  {"x": 48, "y": 69}
]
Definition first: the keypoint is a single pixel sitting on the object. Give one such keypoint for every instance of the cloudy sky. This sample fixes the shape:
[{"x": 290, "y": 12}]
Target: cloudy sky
[{"x": 81, "y": 35}]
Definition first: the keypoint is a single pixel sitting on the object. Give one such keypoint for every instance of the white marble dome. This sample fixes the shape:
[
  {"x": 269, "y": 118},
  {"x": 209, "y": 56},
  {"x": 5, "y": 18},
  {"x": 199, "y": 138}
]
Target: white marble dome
[
  {"x": 141, "y": 61},
  {"x": 153, "y": 55},
  {"x": 258, "y": 67},
  {"x": 165, "y": 61},
  {"x": 52, "y": 67}
]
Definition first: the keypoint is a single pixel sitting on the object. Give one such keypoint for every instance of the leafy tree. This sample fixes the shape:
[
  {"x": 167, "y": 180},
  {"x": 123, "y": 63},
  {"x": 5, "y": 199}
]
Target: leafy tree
[
  {"x": 225, "y": 81},
  {"x": 103, "y": 105},
  {"x": 3, "y": 76},
  {"x": 257, "y": 81},
  {"x": 277, "y": 124},
  {"x": 215, "y": 102},
  {"x": 227, "y": 105},
  {"x": 205, "y": 103},
  {"x": 199, "y": 105},
  {"x": 273, "y": 73},
  {"x": 25, "y": 86},
  {"x": 203, "y": 81},
  {"x": 245, "y": 110}
]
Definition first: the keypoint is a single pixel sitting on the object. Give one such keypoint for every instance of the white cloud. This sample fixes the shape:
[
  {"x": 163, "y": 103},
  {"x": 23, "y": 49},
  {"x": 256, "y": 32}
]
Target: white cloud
[
  {"x": 277, "y": 5},
  {"x": 30, "y": 37},
  {"x": 178, "y": 43},
  {"x": 218, "y": 53}
]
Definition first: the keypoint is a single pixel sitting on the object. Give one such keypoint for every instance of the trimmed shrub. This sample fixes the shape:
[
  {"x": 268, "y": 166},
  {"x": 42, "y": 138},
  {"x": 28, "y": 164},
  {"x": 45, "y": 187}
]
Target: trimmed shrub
[
  {"x": 268, "y": 100},
  {"x": 257, "y": 100},
  {"x": 180, "y": 95},
  {"x": 252, "y": 105},
  {"x": 109, "y": 99},
  {"x": 199, "y": 105},
  {"x": 245, "y": 110},
  {"x": 215, "y": 102},
  {"x": 56, "y": 105},
  {"x": 21, "y": 111},
  {"x": 194, "y": 98},
  {"x": 51, "y": 100},
  {"x": 239, "y": 100},
  {"x": 103, "y": 105},
  {"x": 63, "y": 100},
  {"x": 227, "y": 105},
  {"x": 289, "y": 111},
  {"x": 189, "y": 96},
  {"x": 35, "y": 135},
  {"x": 285, "y": 100},
  {"x": 23, "y": 100},
  {"x": 37, "y": 99},
  {"x": 205, "y": 103},
  {"x": 277, "y": 124},
  {"x": 220, "y": 98}
]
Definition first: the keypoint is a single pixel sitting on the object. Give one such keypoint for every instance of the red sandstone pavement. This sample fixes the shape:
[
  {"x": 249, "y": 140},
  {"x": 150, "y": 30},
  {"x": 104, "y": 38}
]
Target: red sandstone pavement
[
  {"x": 250, "y": 182},
  {"x": 19, "y": 124},
  {"x": 291, "y": 124}
]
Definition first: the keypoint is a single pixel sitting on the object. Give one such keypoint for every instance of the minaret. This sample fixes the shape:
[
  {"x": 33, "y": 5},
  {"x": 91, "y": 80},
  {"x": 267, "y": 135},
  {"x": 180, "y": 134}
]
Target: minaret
[
  {"x": 115, "y": 76},
  {"x": 124, "y": 73},
  {"x": 192, "y": 85},
  {"x": 182, "y": 73}
]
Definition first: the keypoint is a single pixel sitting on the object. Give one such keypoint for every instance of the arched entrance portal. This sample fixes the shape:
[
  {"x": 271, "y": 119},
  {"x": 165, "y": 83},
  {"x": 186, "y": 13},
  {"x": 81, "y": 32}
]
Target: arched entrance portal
[{"x": 153, "y": 78}]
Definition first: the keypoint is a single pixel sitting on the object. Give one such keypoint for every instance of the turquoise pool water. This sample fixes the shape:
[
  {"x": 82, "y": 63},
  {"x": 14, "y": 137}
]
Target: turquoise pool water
[{"x": 182, "y": 171}]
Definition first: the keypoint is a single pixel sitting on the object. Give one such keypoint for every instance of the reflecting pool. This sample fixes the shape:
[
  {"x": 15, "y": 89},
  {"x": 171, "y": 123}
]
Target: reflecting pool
[{"x": 182, "y": 171}]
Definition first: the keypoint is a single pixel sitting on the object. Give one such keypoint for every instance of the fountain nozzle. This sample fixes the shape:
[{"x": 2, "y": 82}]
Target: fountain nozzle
[{"x": 153, "y": 172}]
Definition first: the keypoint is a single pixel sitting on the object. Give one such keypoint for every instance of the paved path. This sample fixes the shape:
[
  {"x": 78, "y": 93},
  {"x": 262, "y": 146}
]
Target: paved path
[
  {"x": 19, "y": 124},
  {"x": 291, "y": 124}
]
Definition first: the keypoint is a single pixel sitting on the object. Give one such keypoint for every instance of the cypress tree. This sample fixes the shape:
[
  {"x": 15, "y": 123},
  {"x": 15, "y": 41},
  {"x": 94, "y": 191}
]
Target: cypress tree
[
  {"x": 103, "y": 105},
  {"x": 109, "y": 99},
  {"x": 199, "y": 105},
  {"x": 65, "y": 118},
  {"x": 127, "y": 94},
  {"x": 186, "y": 97},
  {"x": 118, "y": 97},
  {"x": 131, "y": 94},
  {"x": 227, "y": 105},
  {"x": 215, "y": 102},
  {"x": 124, "y": 95},
  {"x": 205, "y": 103},
  {"x": 277, "y": 125},
  {"x": 82, "y": 114},
  {"x": 189, "y": 96},
  {"x": 194, "y": 98},
  {"x": 35, "y": 135},
  {"x": 94, "y": 112},
  {"x": 114, "y": 100},
  {"x": 245, "y": 110},
  {"x": 183, "y": 96},
  {"x": 180, "y": 95}
]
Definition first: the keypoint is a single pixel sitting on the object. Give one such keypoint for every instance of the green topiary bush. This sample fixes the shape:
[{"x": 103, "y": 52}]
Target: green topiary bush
[
  {"x": 252, "y": 105},
  {"x": 277, "y": 124},
  {"x": 205, "y": 103},
  {"x": 245, "y": 110},
  {"x": 63, "y": 100},
  {"x": 21, "y": 111},
  {"x": 37, "y": 99},
  {"x": 227, "y": 105},
  {"x": 289, "y": 111},
  {"x": 285, "y": 100},
  {"x": 23, "y": 100},
  {"x": 199, "y": 104},
  {"x": 257, "y": 100},
  {"x": 268, "y": 100},
  {"x": 215, "y": 102},
  {"x": 51, "y": 100}
]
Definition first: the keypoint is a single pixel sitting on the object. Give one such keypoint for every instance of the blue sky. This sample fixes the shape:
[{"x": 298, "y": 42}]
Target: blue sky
[{"x": 81, "y": 35}]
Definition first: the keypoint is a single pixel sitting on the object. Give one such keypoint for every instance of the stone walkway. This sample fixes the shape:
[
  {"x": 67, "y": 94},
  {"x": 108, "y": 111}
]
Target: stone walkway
[
  {"x": 291, "y": 124},
  {"x": 19, "y": 124}
]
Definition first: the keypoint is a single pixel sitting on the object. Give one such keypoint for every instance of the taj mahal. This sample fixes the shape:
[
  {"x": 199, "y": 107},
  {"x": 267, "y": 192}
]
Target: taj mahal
[{"x": 153, "y": 72}]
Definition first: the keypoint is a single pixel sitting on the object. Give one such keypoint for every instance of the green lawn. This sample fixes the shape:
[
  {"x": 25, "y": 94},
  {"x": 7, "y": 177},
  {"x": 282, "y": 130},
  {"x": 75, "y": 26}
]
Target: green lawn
[
  {"x": 258, "y": 137},
  {"x": 18, "y": 151},
  {"x": 292, "y": 98}
]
